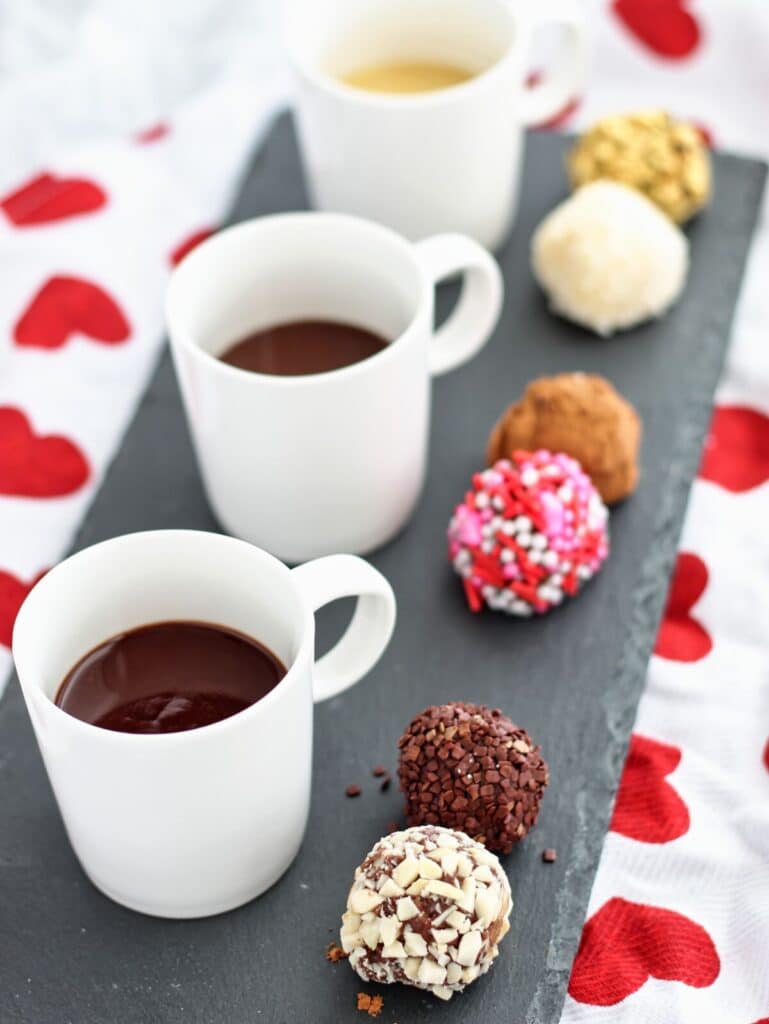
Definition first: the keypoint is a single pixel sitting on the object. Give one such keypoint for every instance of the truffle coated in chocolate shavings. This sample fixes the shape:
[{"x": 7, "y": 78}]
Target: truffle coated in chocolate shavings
[
  {"x": 427, "y": 908},
  {"x": 468, "y": 767}
]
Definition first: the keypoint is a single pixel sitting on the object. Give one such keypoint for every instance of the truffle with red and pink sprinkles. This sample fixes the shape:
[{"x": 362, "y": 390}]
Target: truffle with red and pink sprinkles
[{"x": 531, "y": 532}]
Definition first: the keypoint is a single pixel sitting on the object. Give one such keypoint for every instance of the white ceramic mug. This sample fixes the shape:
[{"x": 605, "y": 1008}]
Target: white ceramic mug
[
  {"x": 307, "y": 465},
  {"x": 446, "y": 160},
  {"x": 191, "y": 823}
]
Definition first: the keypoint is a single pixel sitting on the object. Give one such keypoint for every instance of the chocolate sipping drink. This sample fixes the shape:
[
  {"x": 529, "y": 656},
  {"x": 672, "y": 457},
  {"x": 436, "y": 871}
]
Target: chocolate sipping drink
[
  {"x": 302, "y": 347},
  {"x": 169, "y": 677}
]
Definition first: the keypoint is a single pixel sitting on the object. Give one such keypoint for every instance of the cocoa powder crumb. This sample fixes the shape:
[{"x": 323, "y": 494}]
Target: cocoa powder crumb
[
  {"x": 353, "y": 791},
  {"x": 372, "y": 1005},
  {"x": 379, "y": 771},
  {"x": 549, "y": 856},
  {"x": 335, "y": 953}
]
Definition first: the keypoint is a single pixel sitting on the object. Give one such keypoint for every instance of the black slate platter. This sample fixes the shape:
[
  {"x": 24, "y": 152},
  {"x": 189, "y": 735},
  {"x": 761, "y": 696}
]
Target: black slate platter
[{"x": 70, "y": 956}]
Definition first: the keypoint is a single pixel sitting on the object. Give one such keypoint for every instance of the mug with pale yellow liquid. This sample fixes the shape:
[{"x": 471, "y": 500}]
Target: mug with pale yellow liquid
[
  {"x": 410, "y": 112},
  {"x": 407, "y": 76}
]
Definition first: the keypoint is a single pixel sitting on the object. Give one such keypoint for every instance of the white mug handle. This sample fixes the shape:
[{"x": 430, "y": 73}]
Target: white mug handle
[
  {"x": 470, "y": 325},
  {"x": 366, "y": 638},
  {"x": 565, "y": 80}
]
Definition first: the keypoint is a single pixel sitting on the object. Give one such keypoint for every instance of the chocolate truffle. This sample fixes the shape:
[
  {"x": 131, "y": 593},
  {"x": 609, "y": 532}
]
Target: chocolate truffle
[
  {"x": 428, "y": 908},
  {"x": 608, "y": 259},
  {"x": 531, "y": 532},
  {"x": 666, "y": 160},
  {"x": 470, "y": 768},
  {"x": 580, "y": 414}
]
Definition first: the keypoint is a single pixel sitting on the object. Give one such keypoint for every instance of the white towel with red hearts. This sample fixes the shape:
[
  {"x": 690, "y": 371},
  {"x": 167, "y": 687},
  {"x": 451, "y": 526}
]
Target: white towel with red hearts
[{"x": 678, "y": 923}]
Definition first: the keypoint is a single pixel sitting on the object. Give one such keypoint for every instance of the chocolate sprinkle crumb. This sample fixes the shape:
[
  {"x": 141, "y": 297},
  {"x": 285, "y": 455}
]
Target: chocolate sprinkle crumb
[
  {"x": 549, "y": 856},
  {"x": 384, "y": 785},
  {"x": 379, "y": 771}
]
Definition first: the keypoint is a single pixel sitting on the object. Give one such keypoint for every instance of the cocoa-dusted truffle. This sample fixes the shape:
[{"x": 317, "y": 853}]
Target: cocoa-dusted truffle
[
  {"x": 580, "y": 414},
  {"x": 468, "y": 767},
  {"x": 428, "y": 908}
]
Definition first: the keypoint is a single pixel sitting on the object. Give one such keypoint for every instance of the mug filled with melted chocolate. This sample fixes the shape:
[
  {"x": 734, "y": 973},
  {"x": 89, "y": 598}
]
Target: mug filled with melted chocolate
[
  {"x": 169, "y": 677},
  {"x": 304, "y": 345}
]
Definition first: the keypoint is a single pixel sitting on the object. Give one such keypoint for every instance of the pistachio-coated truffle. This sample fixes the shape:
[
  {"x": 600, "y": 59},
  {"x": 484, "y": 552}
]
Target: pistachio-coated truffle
[{"x": 665, "y": 159}]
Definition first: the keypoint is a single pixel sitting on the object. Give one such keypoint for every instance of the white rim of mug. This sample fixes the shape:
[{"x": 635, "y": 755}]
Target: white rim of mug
[
  {"x": 183, "y": 336},
  {"x": 183, "y": 735},
  {"x": 350, "y": 93}
]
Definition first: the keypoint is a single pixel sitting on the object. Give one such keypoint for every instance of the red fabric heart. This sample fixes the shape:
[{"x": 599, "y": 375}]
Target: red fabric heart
[
  {"x": 154, "y": 133},
  {"x": 624, "y": 944},
  {"x": 707, "y": 134},
  {"x": 664, "y": 26},
  {"x": 69, "y": 305},
  {"x": 647, "y": 807},
  {"x": 12, "y": 594},
  {"x": 32, "y": 466},
  {"x": 559, "y": 119},
  {"x": 48, "y": 198},
  {"x": 188, "y": 244},
  {"x": 681, "y": 637},
  {"x": 736, "y": 452},
  {"x": 766, "y": 756}
]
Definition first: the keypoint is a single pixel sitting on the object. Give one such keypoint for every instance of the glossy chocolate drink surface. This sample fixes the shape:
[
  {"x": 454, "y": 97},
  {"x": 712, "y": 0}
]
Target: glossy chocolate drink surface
[
  {"x": 306, "y": 346},
  {"x": 169, "y": 677}
]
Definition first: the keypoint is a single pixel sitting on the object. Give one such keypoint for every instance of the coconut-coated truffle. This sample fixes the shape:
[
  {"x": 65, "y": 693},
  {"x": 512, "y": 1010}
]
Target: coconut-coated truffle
[
  {"x": 531, "y": 531},
  {"x": 428, "y": 908},
  {"x": 665, "y": 159},
  {"x": 470, "y": 768},
  {"x": 580, "y": 414},
  {"x": 608, "y": 259}
]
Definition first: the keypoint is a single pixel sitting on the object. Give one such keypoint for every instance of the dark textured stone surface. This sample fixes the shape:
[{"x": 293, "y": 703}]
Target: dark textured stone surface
[{"x": 572, "y": 679}]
